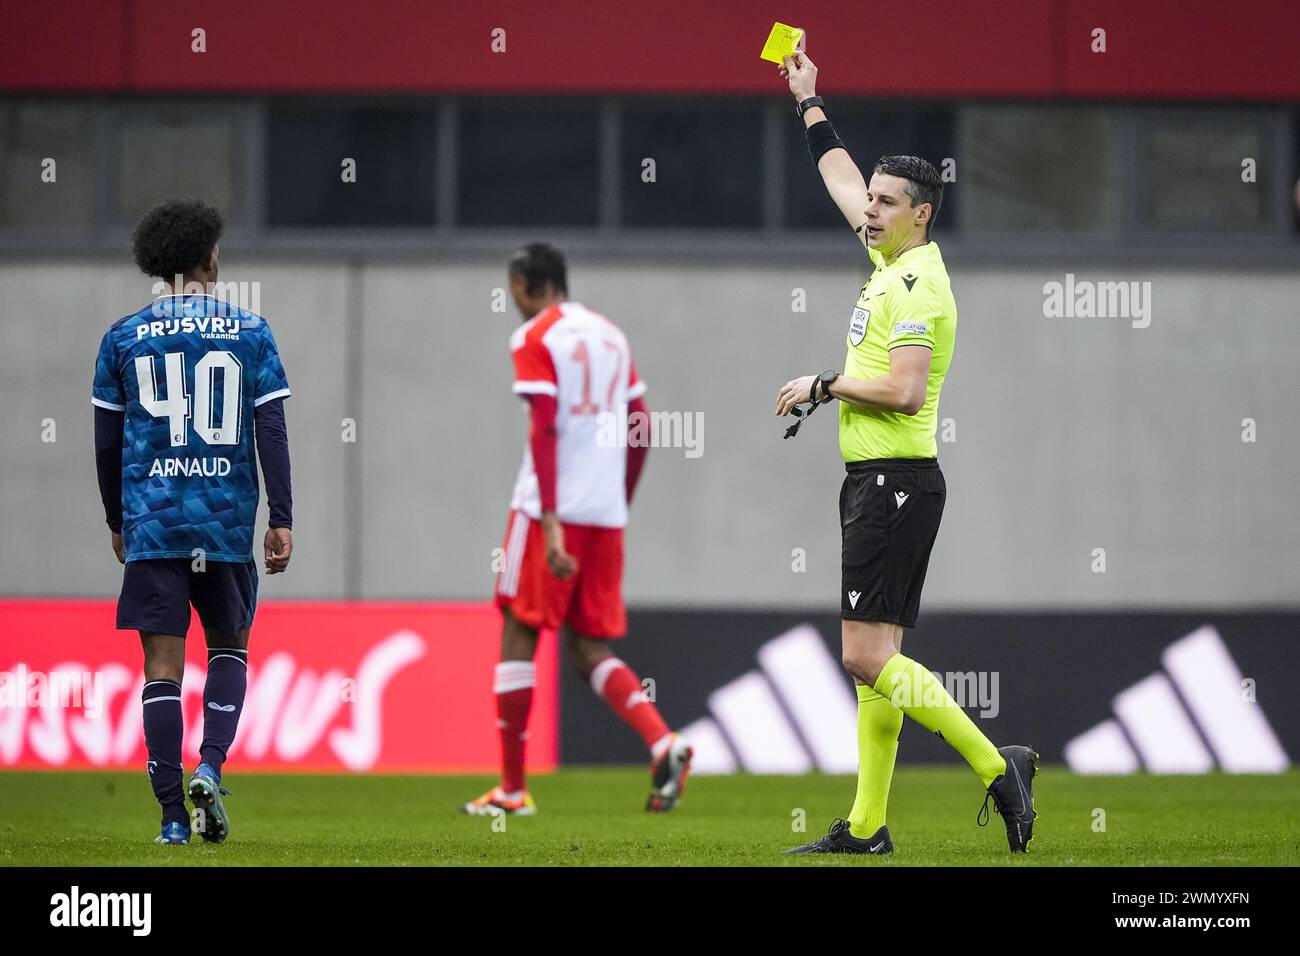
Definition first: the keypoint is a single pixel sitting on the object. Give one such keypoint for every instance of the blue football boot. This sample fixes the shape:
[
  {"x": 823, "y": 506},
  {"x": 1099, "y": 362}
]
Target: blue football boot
[
  {"x": 174, "y": 833},
  {"x": 210, "y": 818}
]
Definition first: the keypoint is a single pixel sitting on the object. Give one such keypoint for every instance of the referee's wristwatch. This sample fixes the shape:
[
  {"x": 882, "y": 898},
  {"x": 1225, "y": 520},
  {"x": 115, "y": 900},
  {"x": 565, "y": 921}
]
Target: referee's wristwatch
[
  {"x": 805, "y": 105},
  {"x": 824, "y": 379}
]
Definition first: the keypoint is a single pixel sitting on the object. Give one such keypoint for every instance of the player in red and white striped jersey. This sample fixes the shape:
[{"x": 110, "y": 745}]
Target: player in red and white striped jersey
[{"x": 563, "y": 562}]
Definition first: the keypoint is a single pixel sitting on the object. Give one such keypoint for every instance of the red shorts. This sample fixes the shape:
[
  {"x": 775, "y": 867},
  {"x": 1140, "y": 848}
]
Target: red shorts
[{"x": 590, "y": 602}]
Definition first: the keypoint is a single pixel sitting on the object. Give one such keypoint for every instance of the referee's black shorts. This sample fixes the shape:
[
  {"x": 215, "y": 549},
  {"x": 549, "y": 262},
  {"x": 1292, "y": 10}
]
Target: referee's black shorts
[{"x": 889, "y": 517}]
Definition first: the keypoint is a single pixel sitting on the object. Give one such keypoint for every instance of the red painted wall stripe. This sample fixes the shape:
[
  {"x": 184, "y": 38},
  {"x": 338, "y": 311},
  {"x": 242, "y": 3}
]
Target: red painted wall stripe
[
  {"x": 958, "y": 48},
  {"x": 62, "y": 45},
  {"x": 1184, "y": 50}
]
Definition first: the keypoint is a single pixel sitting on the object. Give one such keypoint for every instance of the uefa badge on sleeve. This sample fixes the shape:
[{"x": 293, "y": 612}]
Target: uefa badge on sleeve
[{"x": 858, "y": 326}]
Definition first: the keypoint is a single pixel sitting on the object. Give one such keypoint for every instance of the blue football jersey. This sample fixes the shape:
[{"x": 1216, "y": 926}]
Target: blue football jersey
[{"x": 188, "y": 370}]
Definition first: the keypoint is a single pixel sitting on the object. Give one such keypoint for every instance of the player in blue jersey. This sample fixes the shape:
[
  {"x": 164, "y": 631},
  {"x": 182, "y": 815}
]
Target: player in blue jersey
[{"x": 187, "y": 391}]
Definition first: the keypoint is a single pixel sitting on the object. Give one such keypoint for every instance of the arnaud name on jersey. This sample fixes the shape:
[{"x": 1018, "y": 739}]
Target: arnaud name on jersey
[{"x": 189, "y": 467}]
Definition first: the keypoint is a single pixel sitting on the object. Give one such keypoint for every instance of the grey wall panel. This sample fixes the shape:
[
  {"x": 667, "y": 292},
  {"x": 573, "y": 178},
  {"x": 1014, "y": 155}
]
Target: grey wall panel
[
  {"x": 1078, "y": 433},
  {"x": 51, "y": 520},
  {"x": 1071, "y": 433},
  {"x": 440, "y": 432},
  {"x": 307, "y": 309},
  {"x": 54, "y": 540},
  {"x": 719, "y": 342}
]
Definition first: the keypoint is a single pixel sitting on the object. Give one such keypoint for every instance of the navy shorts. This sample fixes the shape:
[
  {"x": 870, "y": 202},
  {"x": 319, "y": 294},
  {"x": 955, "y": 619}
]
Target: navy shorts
[
  {"x": 890, "y": 510},
  {"x": 157, "y": 594}
]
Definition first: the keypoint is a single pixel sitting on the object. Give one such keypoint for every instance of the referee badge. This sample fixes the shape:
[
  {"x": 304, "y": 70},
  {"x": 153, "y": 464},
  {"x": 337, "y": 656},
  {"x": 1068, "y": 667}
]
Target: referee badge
[{"x": 858, "y": 326}]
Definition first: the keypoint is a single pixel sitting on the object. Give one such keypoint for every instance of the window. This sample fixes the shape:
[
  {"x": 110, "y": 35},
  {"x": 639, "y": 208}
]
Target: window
[
  {"x": 528, "y": 164},
  {"x": 1039, "y": 169},
  {"x": 1293, "y": 181},
  {"x": 178, "y": 152},
  {"x": 707, "y": 164},
  {"x": 30, "y": 133},
  {"x": 395, "y": 154},
  {"x": 730, "y": 175},
  {"x": 1191, "y": 165}
]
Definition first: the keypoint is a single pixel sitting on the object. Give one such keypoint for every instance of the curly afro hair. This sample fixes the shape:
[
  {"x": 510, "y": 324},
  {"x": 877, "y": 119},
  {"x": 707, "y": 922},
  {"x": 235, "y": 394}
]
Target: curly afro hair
[{"x": 176, "y": 237}]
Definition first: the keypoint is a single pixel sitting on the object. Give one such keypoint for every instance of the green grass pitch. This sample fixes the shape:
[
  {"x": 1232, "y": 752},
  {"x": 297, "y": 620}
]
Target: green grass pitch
[{"x": 594, "y": 817}]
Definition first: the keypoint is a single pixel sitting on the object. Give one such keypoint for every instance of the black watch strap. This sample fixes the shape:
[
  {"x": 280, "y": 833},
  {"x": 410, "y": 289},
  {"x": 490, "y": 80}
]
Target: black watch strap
[
  {"x": 805, "y": 105},
  {"x": 826, "y": 382}
]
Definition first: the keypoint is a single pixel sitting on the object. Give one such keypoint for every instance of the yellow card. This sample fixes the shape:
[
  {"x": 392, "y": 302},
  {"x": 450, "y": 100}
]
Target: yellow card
[{"x": 781, "y": 42}]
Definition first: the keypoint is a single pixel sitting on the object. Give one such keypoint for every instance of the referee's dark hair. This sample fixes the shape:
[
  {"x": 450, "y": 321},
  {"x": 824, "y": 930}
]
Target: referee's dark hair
[
  {"x": 923, "y": 182},
  {"x": 539, "y": 263},
  {"x": 176, "y": 237}
]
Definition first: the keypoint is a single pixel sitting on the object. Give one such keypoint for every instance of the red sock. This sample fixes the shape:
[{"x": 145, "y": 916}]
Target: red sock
[
  {"x": 614, "y": 680},
  {"x": 514, "y": 690}
]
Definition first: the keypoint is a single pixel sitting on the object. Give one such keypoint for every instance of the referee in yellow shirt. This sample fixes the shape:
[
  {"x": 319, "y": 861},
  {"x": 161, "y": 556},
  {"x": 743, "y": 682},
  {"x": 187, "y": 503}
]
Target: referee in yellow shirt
[{"x": 900, "y": 343}]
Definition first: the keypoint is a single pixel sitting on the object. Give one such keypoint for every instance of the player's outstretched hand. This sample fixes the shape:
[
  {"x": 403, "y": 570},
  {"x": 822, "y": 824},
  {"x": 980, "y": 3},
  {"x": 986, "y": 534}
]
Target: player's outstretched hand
[
  {"x": 802, "y": 74},
  {"x": 794, "y": 392},
  {"x": 279, "y": 546},
  {"x": 119, "y": 549}
]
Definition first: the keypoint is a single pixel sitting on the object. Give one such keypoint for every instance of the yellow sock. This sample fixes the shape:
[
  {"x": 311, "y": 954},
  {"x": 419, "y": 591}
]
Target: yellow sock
[
  {"x": 879, "y": 722},
  {"x": 916, "y": 692}
]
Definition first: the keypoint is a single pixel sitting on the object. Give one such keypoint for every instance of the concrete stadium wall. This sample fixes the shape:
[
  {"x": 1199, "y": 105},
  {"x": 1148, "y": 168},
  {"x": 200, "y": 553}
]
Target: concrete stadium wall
[{"x": 1072, "y": 434}]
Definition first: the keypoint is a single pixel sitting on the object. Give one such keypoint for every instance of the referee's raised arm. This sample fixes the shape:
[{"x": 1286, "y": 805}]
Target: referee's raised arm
[{"x": 841, "y": 175}]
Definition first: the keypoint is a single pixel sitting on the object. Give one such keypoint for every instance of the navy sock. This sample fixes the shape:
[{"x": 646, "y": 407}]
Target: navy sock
[
  {"x": 162, "y": 736},
  {"x": 223, "y": 702}
]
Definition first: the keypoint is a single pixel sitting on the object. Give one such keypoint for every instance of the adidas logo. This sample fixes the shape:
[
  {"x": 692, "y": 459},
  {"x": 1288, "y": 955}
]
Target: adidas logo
[
  {"x": 793, "y": 714},
  {"x": 1188, "y": 717}
]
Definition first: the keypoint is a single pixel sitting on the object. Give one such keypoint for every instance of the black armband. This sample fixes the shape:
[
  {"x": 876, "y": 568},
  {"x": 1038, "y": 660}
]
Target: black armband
[{"x": 822, "y": 138}]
